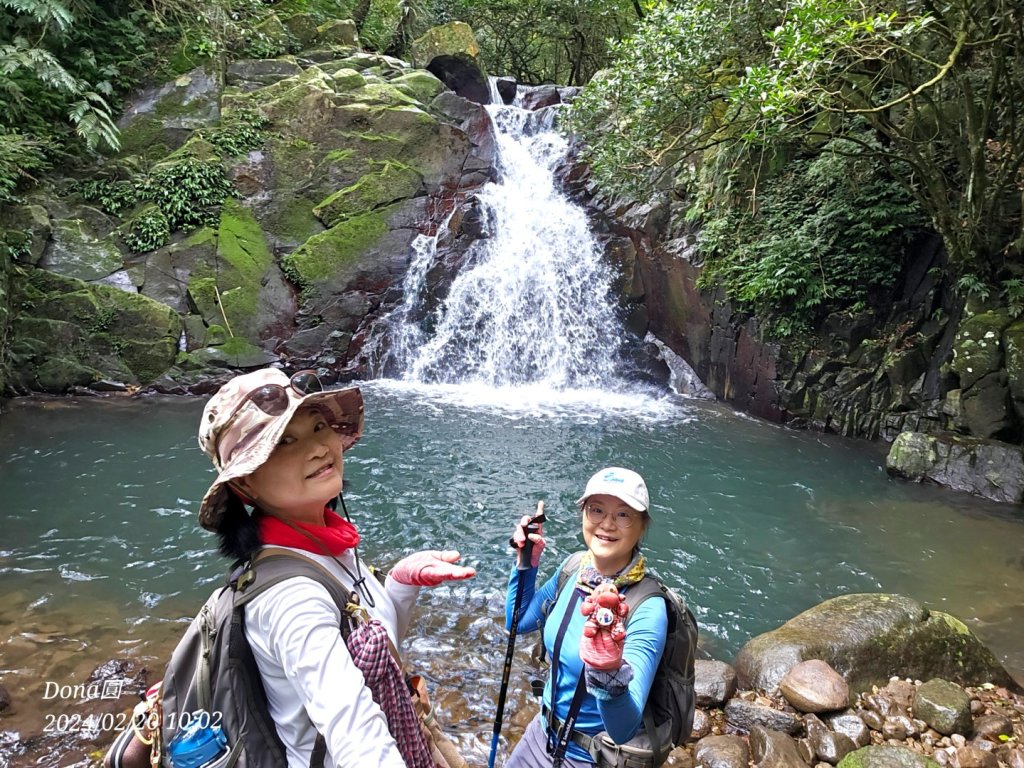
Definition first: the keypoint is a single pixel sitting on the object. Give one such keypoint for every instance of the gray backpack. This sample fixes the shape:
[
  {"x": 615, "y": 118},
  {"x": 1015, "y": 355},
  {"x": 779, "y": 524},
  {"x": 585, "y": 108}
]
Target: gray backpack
[
  {"x": 668, "y": 716},
  {"x": 213, "y": 669}
]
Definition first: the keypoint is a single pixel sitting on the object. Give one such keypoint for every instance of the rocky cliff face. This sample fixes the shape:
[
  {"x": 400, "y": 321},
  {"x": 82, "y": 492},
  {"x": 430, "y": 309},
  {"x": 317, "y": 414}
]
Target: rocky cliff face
[
  {"x": 922, "y": 364},
  {"x": 139, "y": 275}
]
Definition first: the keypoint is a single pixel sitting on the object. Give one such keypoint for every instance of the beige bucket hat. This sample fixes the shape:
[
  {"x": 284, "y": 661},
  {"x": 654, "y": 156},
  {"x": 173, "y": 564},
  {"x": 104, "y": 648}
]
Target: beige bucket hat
[{"x": 243, "y": 421}]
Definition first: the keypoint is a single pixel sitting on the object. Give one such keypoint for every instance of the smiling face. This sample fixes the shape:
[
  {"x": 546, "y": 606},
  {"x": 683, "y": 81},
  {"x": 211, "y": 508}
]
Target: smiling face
[
  {"x": 611, "y": 545},
  {"x": 302, "y": 474}
]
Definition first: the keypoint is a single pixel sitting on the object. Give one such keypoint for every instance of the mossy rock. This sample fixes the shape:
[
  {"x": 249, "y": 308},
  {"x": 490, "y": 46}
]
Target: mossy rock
[
  {"x": 125, "y": 336},
  {"x": 419, "y": 85},
  {"x": 196, "y": 148},
  {"x": 1013, "y": 347},
  {"x": 454, "y": 39},
  {"x": 978, "y": 348},
  {"x": 394, "y": 182},
  {"x": 274, "y": 32},
  {"x": 338, "y": 32},
  {"x": 233, "y": 353},
  {"x": 886, "y": 757},
  {"x": 162, "y": 118},
  {"x": 345, "y": 78},
  {"x": 303, "y": 28},
  {"x": 28, "y": 230},
  {"x": 324, "y": 257},
  {"x": 76, "y": 252},
  {"x": 868, "y": 638}
]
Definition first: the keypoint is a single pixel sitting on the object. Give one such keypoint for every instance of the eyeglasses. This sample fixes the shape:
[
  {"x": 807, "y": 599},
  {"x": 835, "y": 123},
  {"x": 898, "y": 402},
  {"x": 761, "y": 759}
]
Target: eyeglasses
[
  {"x": 622, "y": 518},
  {"x": 272, "y": 399}
]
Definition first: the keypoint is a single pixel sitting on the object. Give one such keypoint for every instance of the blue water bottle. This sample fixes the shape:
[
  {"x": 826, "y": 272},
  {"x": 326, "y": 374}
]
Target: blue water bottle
[{"x": 198, "y": 743}]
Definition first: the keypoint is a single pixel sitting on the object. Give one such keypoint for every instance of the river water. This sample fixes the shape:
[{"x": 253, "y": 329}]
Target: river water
[{"x": 101, "y": 555}]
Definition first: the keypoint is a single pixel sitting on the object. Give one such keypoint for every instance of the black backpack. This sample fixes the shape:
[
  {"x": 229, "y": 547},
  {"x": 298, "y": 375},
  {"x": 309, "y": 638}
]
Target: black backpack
[
  {"x": 213, "y": 668},
  {"x": 668, "y": 716}
]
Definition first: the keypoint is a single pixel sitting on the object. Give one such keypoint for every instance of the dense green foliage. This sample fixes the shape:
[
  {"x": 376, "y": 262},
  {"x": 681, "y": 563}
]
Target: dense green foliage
[
  {"x": 940, "y": 88},
  {"x": 827, "y": 233},
  {"x": 545, "y": 41}
]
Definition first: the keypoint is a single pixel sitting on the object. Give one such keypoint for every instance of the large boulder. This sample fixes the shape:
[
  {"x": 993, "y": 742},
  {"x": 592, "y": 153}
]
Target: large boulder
[
  {"x": 162, "y": 118},
  {"x": 451, "y": 53},
  {"x": 988, "y": 468},
  {"x": 868, "y": 638},
  {"x": 978, "y": 349},
  {"x": 71, "y": 333}
]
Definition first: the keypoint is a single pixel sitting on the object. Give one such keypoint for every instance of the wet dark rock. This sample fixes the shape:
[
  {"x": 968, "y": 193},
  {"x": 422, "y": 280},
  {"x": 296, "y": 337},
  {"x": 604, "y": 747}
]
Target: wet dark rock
[
  {"x": 829, "y": 746},
  {"x": 701, "y": 724},
  {"x": 506, "y": 87},
  {"x": 813, "y": 686},
  {"x": 744, "y": 715},
  {"x": 714, "y": 682},
  {"x": 722, "y": 752},
  {"x": 771, "y": 749},
  {"x": 944, "y": 706},
  {"x": 851, "y": 726},
  {"x": 991, "y": 727},
  {"x": 973, "y": 757},
  {"x": 540, "y": 97},
  {"x": 5, "y": 699},
  {"x": 873, "y": 719}
]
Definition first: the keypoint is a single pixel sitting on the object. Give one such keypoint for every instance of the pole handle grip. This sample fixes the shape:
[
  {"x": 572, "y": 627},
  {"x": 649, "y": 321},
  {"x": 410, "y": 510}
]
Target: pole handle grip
[{"x": 532, "y": 527}]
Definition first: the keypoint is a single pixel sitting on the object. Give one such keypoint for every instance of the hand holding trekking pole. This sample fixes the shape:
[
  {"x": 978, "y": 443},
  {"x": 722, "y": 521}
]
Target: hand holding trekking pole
[
  {"x": 528, "y": 539},
  {"x": 430, "y": 568}
]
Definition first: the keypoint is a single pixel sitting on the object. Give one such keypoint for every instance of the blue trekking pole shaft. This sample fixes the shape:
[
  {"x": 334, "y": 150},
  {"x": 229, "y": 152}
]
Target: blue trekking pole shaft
[{"x": 522, "y": 566}]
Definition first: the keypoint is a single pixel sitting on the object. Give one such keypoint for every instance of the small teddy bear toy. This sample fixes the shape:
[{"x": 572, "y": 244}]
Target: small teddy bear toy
[{"x": 604, "y": 630}]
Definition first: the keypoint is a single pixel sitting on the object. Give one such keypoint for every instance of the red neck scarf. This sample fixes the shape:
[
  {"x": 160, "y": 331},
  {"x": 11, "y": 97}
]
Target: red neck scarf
[{"x": 336, "y": 535}]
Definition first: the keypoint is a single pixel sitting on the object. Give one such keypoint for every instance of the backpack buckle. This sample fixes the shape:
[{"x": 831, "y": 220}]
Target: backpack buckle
[{"x": 245, "y": 580}]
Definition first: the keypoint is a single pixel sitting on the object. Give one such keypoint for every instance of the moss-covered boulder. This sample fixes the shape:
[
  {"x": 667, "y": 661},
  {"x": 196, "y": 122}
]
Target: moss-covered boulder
[
  {"x": 978, "y": 348},
  {"x": 250, "y": 74},
  {"x": 988, "y": 468},
  {"x": 75, "y": 250},
  {"x": 272, "y": 33},
  {"x": 868, "y": 638},
  {"x": 1013, "y": 349},
  {"x": 333, "y": 256},
  {"x": 419, "y": 85},
  {"x": 162, "y": 118},
  {"x": 71, "y": 333},
  {"x": 390, "y": 184},
  {"x": 338, "y": 32},
  {"x": 451, "y": 53},
  {"x": 886, "y": 757},
  {"x": 26, "y": 231}
]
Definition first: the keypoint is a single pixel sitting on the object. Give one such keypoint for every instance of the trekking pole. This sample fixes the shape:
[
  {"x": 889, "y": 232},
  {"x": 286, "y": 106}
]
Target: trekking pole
[{"x": 523, "y": 565}]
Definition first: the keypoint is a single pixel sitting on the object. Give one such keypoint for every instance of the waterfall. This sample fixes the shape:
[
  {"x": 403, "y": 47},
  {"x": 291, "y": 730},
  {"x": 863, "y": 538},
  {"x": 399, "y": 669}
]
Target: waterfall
[{"x": 532, "y": 305}]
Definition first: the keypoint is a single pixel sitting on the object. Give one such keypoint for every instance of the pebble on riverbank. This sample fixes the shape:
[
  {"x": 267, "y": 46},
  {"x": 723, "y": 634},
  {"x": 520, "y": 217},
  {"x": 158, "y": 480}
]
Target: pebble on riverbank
[{"x": 934, "y": 724}]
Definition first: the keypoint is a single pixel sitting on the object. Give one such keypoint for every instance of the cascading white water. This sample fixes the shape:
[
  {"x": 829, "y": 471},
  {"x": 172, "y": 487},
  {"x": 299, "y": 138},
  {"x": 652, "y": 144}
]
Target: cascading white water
[{"x": 533, "y": 304}]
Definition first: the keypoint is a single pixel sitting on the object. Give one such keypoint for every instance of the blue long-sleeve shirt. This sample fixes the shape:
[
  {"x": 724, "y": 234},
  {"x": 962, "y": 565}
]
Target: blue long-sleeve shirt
[{"x": 621, "y": 716}]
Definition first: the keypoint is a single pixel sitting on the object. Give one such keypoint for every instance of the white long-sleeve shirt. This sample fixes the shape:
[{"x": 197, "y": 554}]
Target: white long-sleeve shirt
[{"x": 311, "y": 682}]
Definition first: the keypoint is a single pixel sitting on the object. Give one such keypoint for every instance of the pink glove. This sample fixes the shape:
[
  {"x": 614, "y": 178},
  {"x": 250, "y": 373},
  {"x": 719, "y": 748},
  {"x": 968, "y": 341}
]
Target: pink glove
[
  {"x": 430, "y": 568},
  {"x": 604, "y": 632},
  {"x": 519, "y": 537}
]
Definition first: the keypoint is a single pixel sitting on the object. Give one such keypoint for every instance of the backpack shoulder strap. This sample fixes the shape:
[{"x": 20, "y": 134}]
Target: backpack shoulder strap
[
  {"x": 569, "y": 568},
  {"x": 648, "y": 587},
  {"x": 280, "y": 565}
]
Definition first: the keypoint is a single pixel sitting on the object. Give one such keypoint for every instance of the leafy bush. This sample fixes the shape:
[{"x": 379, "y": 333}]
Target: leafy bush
[
  {"x": 148, "y": 231},
  {"x": 825, "y": 234},
  {"x": 189, "y": 192},
  {"x": 239, "y": 132},
  {"x": 114, "y": 197},
  {"x": 20, "y": 157}
]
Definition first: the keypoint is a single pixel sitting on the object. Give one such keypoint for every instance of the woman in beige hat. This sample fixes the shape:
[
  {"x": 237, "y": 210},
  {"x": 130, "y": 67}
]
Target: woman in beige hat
[
  {"x": 278, "y": 444},
  {"x": 601, "y": 670}
]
